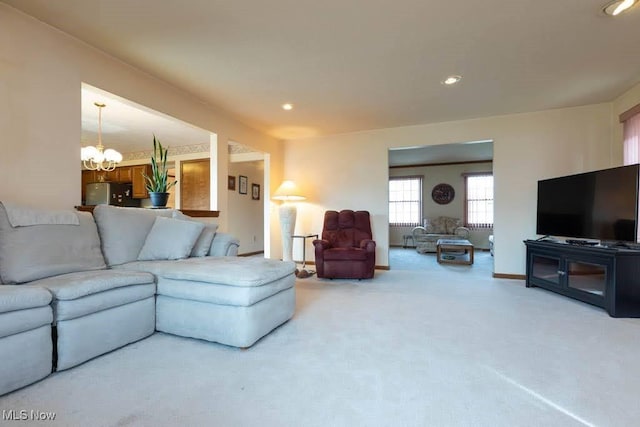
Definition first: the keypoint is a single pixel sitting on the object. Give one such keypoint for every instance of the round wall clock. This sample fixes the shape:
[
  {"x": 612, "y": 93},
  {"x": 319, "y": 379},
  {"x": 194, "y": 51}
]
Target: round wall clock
[{"x": 442, "y": 194}]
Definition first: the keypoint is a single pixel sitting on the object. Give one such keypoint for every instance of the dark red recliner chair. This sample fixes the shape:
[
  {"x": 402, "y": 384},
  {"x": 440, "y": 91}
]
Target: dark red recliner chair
[{"x": 346, "y": 250}]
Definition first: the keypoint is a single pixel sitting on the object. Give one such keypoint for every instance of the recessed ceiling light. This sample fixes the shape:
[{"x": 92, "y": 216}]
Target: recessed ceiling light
[
  {"x": 287, "y": 107},
  {"x": 451, "y": 80},
  {"x": 616, "y": 7}
]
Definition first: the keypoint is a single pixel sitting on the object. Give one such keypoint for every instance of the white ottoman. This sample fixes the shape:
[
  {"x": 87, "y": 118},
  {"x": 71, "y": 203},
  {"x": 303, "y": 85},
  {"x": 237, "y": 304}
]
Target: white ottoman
[{"x": 230, "y": 300}]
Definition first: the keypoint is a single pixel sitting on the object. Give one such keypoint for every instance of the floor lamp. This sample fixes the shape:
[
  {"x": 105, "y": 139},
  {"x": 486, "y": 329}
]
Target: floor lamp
[{"x": 287, "y": 192}]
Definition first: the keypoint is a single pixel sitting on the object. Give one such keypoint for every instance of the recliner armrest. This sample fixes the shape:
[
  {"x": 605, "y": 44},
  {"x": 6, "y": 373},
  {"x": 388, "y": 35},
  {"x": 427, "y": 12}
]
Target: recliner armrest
[
  {"x": 368, "y": 245},
  {"x": 321, "y": 244}
]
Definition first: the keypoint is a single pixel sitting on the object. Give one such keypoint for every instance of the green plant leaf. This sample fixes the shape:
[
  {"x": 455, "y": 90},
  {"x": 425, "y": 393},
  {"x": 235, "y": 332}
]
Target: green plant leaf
[{"x": 158, "y": 181}]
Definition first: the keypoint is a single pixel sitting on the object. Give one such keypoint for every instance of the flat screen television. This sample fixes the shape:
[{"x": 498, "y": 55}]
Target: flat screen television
[{"x": 594, "y": 205}]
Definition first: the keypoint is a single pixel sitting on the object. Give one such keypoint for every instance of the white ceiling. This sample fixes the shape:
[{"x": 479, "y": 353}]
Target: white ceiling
[
  {"x": 364, "y": 64},
  {"x": 129, "y": 127}
]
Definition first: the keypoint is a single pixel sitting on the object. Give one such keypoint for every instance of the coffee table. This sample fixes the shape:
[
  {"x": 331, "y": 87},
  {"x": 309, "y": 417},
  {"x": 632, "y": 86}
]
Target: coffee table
[{"x": 444, "y": 245}]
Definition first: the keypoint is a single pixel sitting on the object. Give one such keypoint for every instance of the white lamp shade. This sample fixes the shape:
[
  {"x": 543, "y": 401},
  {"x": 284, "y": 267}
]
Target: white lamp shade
[
  {"x": 112, "y": 155},
  {"x": 98, "y": 157},
  {"x": 287, "y": 191},
  {"x": 88, "y": 153}
]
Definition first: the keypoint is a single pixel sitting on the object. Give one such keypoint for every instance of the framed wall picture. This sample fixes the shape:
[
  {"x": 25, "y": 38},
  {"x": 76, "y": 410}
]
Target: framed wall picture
[
  {"x": 242, "y": 187},
  {"x": 255, "y": 191},
  {"x": 231, "y": 183}
]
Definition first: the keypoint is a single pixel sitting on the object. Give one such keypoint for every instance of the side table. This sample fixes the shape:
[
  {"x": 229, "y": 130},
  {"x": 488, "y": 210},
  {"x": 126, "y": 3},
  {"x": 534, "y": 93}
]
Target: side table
[{"x": 303, "y": 272}]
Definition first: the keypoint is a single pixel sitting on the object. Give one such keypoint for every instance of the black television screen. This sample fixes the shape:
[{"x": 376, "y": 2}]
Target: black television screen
[{"x": 594, "y": 205}]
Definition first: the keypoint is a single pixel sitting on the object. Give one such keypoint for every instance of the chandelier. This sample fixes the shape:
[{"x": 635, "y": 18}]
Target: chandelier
[{"x": 97, "y": 158}]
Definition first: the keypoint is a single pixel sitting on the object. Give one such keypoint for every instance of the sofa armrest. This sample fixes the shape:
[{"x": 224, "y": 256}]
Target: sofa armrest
[
  {"x": 462, "y": 232},
  {"x": 224, "y": 244}
]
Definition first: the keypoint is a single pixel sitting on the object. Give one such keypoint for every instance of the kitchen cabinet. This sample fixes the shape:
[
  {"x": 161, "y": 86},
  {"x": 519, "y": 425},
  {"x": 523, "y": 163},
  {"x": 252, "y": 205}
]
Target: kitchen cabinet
[
  {"x": 138, "y": 181},
  {"x": 111, "y": 176},
  {"x": 125, "y": 175}
]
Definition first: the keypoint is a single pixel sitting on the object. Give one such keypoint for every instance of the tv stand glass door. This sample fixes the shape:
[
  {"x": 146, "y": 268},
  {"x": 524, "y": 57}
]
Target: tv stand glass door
[
  {"x": 587, "y": 277},
  {"x": 546, "y": 268}
]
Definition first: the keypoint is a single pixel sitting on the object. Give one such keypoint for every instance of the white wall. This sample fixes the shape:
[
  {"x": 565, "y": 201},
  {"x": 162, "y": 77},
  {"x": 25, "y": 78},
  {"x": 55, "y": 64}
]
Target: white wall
[
  {"x": 247, "y": 221},
  {"x": 351, "y": 170},
  {"x": 434, "y": 175},
  {"x": 41, "y": 71}
]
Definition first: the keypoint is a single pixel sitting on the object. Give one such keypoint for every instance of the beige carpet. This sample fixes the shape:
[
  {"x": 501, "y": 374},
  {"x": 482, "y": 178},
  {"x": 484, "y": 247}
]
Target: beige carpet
[{"x": 443, "y": 347}]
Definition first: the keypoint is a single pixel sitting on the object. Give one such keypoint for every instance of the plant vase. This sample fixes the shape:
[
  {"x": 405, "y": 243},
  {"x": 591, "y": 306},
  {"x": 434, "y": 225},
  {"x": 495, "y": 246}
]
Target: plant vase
[{"x": 159, "y": 200}]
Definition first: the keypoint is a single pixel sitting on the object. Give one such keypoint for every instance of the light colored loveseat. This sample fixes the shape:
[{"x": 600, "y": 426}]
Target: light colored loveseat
[
  {"x": 443, "y": 227},
  {"x": 92, "y": 288}
]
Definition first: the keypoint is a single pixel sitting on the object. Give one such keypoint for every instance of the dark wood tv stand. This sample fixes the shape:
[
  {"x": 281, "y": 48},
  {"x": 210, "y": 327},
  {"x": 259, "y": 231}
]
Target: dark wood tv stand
[{"x": 603, "y": 276}]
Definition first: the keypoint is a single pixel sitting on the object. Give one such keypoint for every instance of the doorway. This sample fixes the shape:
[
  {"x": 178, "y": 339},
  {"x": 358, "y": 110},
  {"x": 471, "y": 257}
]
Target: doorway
[
  {"x": 246, "y": 188},
  {"x": 129, "y": 128},
  {"x": 437, "y": 167}
]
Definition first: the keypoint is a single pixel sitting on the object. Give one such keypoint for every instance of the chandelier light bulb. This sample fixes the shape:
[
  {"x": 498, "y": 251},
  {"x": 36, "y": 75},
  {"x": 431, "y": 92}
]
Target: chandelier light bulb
[{"x": 112, "y": 155}]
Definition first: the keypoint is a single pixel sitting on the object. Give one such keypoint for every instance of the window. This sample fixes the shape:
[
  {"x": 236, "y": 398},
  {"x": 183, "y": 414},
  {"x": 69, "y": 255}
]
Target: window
[
  {"x": 405, "y": 201},
  {"x": 479, "y": 200},
  {"x": 631, "y": 123}
]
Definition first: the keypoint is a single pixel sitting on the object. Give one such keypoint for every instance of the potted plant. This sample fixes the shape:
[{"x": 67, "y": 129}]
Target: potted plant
[{"x": 157, "y": 184}]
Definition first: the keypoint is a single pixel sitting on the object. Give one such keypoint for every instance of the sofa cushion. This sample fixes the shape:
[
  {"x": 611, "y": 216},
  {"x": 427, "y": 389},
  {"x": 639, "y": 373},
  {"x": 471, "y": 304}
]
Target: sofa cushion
[
  {"x": 442, "y": 225},
  {"x": 237, "y": 296},
  {"x": 170, "y": 239},
  {"x": 19, "y": 298},
  {"x": 37, "y": 251},
  {"x": 203, "y": 244},
  {"x": 72, "y": 309},
  {"x": 123, "y": 231},
  {"x": 232, "y": 271},
  {"x": 77, "y": 285}
]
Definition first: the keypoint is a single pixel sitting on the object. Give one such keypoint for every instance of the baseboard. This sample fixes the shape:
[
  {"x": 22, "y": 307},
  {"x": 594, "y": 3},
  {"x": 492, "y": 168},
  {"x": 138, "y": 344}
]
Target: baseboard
[
  {"x": 251, "y": 253},
  {"x": 377, "y": 267},
  {"x": 509, "y": 276},
  {"x": 477, "y": 249}
]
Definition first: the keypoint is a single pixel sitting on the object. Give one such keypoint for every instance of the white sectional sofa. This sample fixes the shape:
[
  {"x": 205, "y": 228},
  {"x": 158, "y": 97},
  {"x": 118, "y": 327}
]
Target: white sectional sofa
[
  {"x": 25, "y": 336},
  {"x": 75, "y": 287}
]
